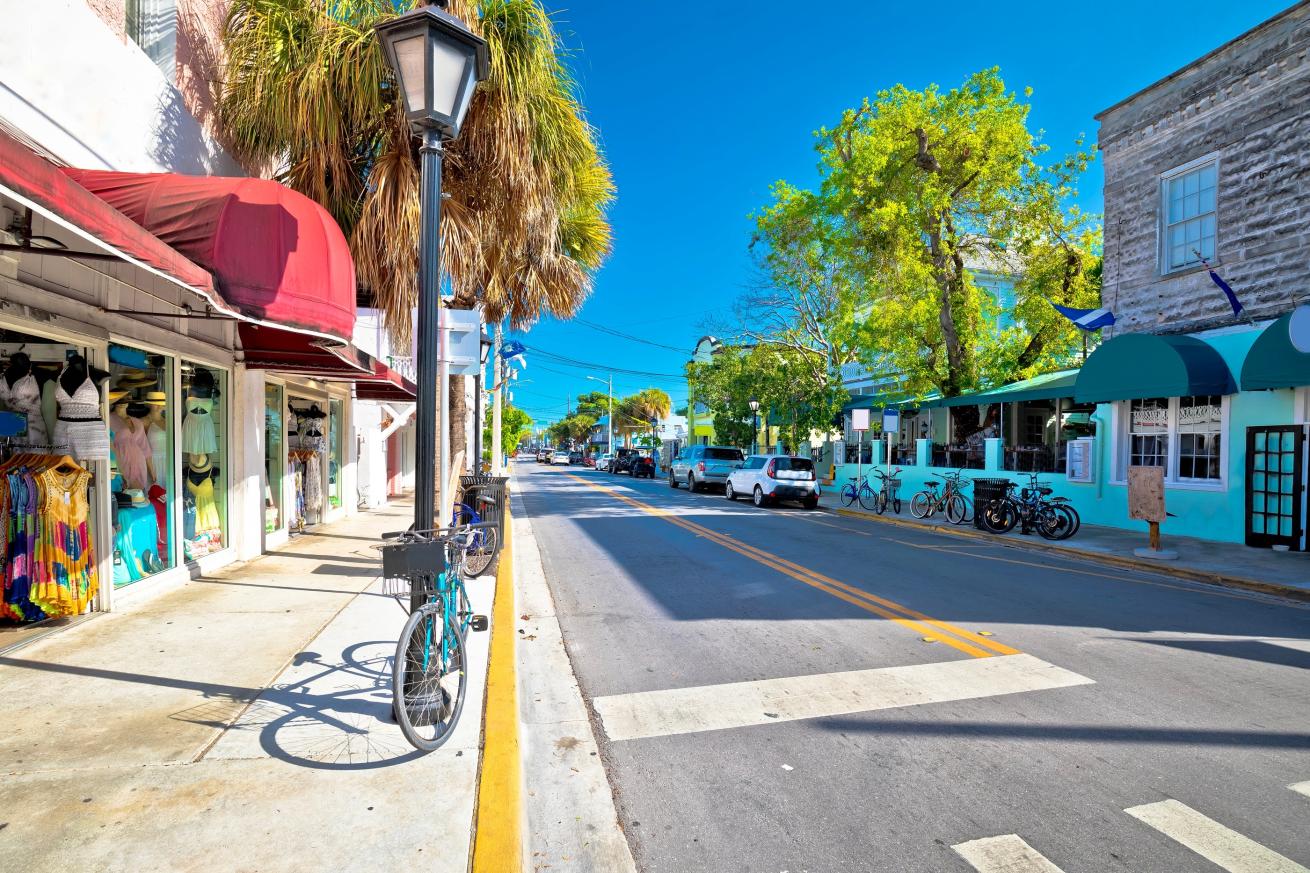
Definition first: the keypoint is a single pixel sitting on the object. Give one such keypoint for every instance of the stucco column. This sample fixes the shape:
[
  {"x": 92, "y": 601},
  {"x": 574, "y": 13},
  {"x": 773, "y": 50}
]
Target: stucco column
[
  {"x": 993, "y": 454},
  {"x": 923, "y": 453}
]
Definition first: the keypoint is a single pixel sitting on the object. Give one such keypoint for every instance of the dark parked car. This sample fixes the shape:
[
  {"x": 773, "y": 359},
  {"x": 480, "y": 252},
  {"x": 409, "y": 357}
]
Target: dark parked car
[
  {"x": 641, "y": 465},
  {"x": 622, "y": 460},
  {"x": 575, "y": 458}
]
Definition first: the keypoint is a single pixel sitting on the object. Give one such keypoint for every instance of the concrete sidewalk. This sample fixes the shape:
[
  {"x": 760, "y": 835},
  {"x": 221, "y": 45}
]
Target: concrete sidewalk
[
  {"x": 1233, "y": 564},
  {"x": 240, "y": 722}
]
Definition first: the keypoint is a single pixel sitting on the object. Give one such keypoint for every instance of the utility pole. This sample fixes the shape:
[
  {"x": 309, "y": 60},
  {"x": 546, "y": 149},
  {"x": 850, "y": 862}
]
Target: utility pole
[{"x": 497, "y": 467}]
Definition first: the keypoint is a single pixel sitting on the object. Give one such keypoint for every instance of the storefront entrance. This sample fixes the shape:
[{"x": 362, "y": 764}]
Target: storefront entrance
[{"x": 1275, "y": 486}]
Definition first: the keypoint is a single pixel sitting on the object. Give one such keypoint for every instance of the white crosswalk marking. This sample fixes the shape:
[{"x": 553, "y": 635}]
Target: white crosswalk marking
[
  {"x": 768, "y": 701},
  {"x": 1206, "y": 837},
  {"x": 1301, "y": 788},
  {"x": 1005, "y": 854}
]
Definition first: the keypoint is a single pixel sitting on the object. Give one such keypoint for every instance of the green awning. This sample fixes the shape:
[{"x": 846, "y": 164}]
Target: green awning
[
  {"x": 1137, "y": 365},
  {"x": 1047, "y": 386},
  {"x": 1273, "y": 362},
  {"x": 882, "y": 401}
]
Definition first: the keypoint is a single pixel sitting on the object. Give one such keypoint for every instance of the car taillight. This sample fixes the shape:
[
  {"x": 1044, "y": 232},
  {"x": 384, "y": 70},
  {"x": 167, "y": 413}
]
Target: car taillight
[
  {"x": 772, "y": 471},
  {"x": 700, "y": 467}
]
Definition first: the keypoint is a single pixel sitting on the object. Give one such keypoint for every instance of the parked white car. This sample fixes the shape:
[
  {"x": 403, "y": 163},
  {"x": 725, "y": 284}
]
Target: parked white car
[
  {"x": 560, "y": 456},
  {"x": 767, "y": 479},
  {"x": 603, "y": 462}
]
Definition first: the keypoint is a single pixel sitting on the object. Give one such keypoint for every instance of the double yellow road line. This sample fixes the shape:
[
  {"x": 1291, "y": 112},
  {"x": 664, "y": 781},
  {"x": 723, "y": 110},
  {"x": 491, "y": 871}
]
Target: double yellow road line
[{"x": 943, "y": 632}]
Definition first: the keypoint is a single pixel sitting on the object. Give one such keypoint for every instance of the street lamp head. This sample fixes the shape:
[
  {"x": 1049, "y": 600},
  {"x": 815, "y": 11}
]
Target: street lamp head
[
  {"x": 438, "y": 62},
  {"x": 753, "y": 404},
  {"x": 486, "y": 344}
]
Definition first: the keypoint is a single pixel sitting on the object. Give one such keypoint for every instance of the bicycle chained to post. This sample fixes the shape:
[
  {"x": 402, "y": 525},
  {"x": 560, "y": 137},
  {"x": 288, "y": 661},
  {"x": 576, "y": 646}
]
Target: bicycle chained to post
[{"x": 430, "y": 672}]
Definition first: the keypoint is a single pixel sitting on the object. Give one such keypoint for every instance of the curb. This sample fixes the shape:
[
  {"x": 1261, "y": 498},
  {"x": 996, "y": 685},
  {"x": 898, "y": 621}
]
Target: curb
[
  {"x": 498, "y": 813},
  {"x": 1220, "y": 579}
]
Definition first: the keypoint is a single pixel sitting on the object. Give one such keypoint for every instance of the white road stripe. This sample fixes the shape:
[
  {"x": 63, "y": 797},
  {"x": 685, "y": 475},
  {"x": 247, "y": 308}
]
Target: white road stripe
[
  {"x": 1206, "y": 837},
  {"x": 1301, "y": 788},
  {"x": 1005, "y": 854},
  {"x": 740, "y": 704}
]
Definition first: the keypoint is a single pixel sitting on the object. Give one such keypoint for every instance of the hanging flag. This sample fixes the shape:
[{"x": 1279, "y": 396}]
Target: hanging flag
[
  {"x": 1223, "y": 286},
  {"x": 512, "y": 351},
  {"x": 1087, "y": 319}
]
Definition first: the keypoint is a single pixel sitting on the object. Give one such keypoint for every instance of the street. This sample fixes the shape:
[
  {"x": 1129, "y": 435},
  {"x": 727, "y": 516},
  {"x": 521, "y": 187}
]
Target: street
[{"x": 782, "y": 690}]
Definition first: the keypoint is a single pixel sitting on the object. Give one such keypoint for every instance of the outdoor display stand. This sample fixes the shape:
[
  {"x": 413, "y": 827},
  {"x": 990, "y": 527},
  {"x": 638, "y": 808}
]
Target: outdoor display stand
[{"x": 1146, "y": 503}]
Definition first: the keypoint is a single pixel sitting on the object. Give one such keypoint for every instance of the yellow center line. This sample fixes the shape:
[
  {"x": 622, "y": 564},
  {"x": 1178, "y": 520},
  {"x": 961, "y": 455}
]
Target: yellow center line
[{"x": 918, "y": 622}]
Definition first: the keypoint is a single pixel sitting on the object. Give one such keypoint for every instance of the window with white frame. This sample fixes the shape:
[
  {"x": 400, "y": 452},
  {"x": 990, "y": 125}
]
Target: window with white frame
[
  {"x": 1184, "y": 435},
  {"x": 1189, "y": 217},
  {"x": 1148, "y": 432},
  {"x": 1200, "y": 425},
  {"x": 152, "y": 25}
]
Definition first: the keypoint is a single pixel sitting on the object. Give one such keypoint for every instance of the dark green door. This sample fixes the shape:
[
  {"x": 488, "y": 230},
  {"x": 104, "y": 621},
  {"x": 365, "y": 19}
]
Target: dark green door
[{"x": 1275, "y": 477}]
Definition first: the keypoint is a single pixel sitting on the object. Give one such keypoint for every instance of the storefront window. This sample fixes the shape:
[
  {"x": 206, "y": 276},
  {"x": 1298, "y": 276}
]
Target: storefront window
[
  {"x": 204, "y": 460},
  {"x": 272, "y": 458},
  {"x": 306, "y": 456},
  {"x": 1200, "y": 421},
  {"x": 142, "y": 467},
  {"x": 335, "y": 429},
  {"x": 50, "y": 437},
  {"x": 1148, "y": 432}
]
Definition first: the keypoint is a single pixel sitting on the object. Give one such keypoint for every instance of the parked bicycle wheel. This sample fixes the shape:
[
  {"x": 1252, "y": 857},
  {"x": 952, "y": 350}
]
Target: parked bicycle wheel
[
  {"x": 958, "y": 509},
  {"x": 428, "y": 678},
  {"x": 921, "y": 504},
  {"x": 848, "y": 494},
  {"x": 868, "y": 497},
  {"x": 880, "y": 502},
  {"x": 999, "y": 516},
  {"x": 1066, "y": 522},
  {"x": 481, "y": 552}
]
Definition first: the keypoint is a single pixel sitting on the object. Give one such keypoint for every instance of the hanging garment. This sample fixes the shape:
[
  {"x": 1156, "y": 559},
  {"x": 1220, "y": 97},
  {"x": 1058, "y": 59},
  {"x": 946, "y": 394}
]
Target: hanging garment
[
  {"x": 131, "y": 449},
  {"x": 313, "y": 485},
  {"x": 24, "y": 397},
  {"x": 198, "y": 434},
  {"x": 80, "y": 427},
  {"x": 21, "y": 524},
  {"x": 66, "y": 577},
  {"x": 159, "y": 454}
]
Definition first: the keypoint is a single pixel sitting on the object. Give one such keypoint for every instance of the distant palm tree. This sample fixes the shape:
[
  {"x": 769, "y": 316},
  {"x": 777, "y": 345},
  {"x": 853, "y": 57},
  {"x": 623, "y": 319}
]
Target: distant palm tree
[
  {"x": 637, "y": 411},
  {"x": 307, "y": 93}
]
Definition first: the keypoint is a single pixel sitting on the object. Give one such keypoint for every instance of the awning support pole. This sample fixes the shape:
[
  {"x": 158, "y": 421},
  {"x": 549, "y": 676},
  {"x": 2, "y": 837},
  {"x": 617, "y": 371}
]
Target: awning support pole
[{"x": 432, "y": 382}]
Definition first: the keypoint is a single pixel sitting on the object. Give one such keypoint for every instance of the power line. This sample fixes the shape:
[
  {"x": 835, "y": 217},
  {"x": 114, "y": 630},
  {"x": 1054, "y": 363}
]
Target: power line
[
  {"x": 602, "y": 368},
  {"x": 627, "y": 336}
]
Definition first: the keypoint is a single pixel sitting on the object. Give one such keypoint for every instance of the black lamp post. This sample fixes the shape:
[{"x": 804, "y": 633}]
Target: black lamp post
[
  {"x": 437, "y": 62},
  {"x": 755, "y": 425}
]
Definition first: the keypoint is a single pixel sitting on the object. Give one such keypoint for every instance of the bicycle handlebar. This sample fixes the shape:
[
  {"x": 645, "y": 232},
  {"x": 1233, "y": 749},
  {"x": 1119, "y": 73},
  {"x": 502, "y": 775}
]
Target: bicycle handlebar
[{"x": 437, "y": 532}]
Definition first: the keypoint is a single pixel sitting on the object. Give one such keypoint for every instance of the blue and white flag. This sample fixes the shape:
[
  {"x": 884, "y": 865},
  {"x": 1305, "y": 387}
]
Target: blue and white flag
[
  {"x": 512, "y": 351},
  {"x": 1087, "y": 319},
  {"x": 1223, "y": 286}
]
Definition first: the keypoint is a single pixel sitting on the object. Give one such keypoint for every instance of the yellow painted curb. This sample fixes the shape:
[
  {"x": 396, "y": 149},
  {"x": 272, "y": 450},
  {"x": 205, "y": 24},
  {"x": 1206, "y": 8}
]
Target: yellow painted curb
[
  {"x": 1095, "y": 557},
  {"x": 498, "y": 836}
]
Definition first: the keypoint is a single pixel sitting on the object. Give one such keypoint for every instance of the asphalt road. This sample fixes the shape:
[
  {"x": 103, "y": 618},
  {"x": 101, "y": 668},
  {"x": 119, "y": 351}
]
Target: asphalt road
[{"x": 782, "y": 690}]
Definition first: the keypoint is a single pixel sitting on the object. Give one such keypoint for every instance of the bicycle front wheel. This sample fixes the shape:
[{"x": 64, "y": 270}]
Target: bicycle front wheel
[
  {"x": 428, "y": 677},
  {"x": 921, "y": 504},
  {"x": 868, "y": 498},
  {"x": 847, "y": 494},
  {"x": 958, "y": 510}
]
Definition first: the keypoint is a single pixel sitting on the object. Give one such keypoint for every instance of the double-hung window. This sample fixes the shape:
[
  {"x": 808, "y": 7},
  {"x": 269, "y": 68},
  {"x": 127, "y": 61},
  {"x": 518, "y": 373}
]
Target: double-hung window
[
  {"x": 1189, "y": 215},
  {"x": 1184, "y": 435}
]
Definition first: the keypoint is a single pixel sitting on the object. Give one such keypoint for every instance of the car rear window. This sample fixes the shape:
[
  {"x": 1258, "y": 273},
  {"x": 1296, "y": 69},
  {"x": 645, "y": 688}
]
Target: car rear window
[
  {"x": 798, "y": 464},
  {"x": 723, "y": 454}
]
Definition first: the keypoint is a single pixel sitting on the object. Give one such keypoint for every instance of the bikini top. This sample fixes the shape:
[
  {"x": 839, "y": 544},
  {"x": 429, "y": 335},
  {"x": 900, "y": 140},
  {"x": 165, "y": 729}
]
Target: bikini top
[
  {"x": 23, "y": 396},
  {"x": 83, "y": 405}
]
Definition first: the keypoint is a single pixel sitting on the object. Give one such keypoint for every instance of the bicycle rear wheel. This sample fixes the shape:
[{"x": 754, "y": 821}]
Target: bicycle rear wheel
[
  {"x": 1064, "y": 522},
  {"x": 428, "y": 678},
  {"x": 880, "y": 502},
  {"x": 847, "y": 494},
  {"x": 481, "y": 552},
  {"x": 921, "y": 504},
  {"x": 958, "y": 509},
  {"x": 999, "y": 516}
]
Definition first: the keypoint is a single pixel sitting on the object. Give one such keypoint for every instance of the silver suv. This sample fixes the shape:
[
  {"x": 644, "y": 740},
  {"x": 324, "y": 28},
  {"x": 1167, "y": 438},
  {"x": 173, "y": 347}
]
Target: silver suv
[{"x": 699, "y": 466}]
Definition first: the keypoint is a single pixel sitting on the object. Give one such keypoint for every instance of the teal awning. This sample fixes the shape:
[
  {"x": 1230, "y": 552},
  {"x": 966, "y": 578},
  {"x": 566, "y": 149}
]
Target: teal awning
[
  {"x": 1047, "y": 386},
  {"x": 1137, "y": 365},
  {"x": 1273, "y": 362},
  {"x": 882, "y": 401}
]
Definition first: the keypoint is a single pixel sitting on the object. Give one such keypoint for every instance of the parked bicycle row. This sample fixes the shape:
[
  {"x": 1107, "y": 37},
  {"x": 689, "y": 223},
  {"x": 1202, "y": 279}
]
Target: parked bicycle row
[{"x": 1001, "y": 505}]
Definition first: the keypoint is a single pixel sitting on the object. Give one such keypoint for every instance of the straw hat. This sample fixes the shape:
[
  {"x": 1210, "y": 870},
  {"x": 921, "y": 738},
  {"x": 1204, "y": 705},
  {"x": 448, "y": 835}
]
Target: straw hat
[
  {"x": 132, "y": 379},
  {"x": 200, "y": 463},
  {"x": 117, "y": 394},
  {"x": 138, "y": 496},
  {"x": 156, "y": 398}
]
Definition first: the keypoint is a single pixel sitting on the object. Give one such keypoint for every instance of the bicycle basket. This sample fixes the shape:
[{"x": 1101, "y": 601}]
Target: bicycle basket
[{"x": 413, "y": 560}]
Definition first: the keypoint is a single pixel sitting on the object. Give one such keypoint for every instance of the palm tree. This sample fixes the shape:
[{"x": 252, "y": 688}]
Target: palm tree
[
  {"x": 307, "y": 93},
  {"x": 636, "y": 411}
]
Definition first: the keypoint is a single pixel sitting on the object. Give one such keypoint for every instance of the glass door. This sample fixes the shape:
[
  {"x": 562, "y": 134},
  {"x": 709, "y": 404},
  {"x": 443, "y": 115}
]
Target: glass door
[
  {"x": 1275, "y": 477},
  {"x": 273, "y": 517}
]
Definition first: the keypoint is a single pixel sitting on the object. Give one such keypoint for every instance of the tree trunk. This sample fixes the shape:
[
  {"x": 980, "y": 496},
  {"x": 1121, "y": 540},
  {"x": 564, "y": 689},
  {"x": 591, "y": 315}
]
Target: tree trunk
[{"x": 459, "y": 413}]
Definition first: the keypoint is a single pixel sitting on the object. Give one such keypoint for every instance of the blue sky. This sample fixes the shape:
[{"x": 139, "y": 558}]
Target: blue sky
[{"x": 701, "y": 110}]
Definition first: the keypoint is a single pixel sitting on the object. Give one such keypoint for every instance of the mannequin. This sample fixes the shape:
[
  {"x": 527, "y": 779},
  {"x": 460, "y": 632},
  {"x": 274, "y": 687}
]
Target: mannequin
[
  {"x": 200, "y": 477},
  {"x": 131, "y": 445},
  {"x": 79, "y": 426},
  {"x": 157, "y": 432},
  {"x": 199, "y": 436},
  {"x": 20, "y": 391}
]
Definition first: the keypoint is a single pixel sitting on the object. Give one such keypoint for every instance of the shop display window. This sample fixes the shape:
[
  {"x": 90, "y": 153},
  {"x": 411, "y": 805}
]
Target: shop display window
[
  {"x": 204, "y": 460},
  {"x": 52, "y": 432},
  {"x": 272, "y": 458},
  {"x": 336, "y": 425},
  {"x": 307, "y": 448},
  {"x": 143, "y": 476}
]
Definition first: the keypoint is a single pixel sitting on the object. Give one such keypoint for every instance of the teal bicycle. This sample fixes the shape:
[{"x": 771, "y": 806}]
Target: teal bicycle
[{"x": 429, "y": 676}]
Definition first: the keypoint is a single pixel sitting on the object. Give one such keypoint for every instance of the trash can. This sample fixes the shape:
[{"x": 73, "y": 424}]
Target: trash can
[
  {"x": 984, "y": 492},
  {"x": 481, "y": 485}
]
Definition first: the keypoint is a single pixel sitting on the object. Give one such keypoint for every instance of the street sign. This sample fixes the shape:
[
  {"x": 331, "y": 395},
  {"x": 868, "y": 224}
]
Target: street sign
[
  {"x": 464, "y": 341},
  {"x": 859, "y": 419},
  {"x": 891, "y": 420}
]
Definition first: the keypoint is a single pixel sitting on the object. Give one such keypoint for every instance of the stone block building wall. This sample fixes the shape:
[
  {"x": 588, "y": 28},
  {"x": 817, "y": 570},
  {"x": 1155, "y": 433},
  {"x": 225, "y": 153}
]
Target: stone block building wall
[{"x": 1248, "y": 102}]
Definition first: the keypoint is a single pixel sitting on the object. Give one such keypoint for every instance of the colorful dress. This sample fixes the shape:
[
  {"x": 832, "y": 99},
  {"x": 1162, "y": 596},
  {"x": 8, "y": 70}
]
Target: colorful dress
[
  {"x": 131, "y": 449},
  {"x": 66, "y": 579}
]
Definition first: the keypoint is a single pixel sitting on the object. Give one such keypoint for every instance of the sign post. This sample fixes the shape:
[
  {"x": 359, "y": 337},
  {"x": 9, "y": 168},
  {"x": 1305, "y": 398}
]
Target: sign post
[
  {"x": 1146, "y": 503},
  {"x": 859, "y": 424},
  {"x": 891, "y": 425}
]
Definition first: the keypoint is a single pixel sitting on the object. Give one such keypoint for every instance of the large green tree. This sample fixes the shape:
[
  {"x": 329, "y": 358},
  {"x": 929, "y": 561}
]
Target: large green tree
[
  {"x": 922, "y": 191},
  {"x": 515, "y": 427}
]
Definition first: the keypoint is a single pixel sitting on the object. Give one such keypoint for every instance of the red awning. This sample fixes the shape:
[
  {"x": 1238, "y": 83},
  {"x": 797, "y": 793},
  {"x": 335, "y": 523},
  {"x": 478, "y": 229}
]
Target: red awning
[
  {"x": 268, "y": 348},
  {"x": 276, "y": 256},
  {"x": 387, "y": 384},
  {"x": 34, "y": 181}
]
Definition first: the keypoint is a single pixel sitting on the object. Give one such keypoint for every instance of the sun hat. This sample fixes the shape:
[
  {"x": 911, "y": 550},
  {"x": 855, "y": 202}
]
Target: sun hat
[
  {"x": 132, "y": 378},
  {"x": 199, "y": 463},
  {"x": 117, "y": 394},
  {"x": 156, "y": 398},
  {"x": 138, "y": 496}
]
